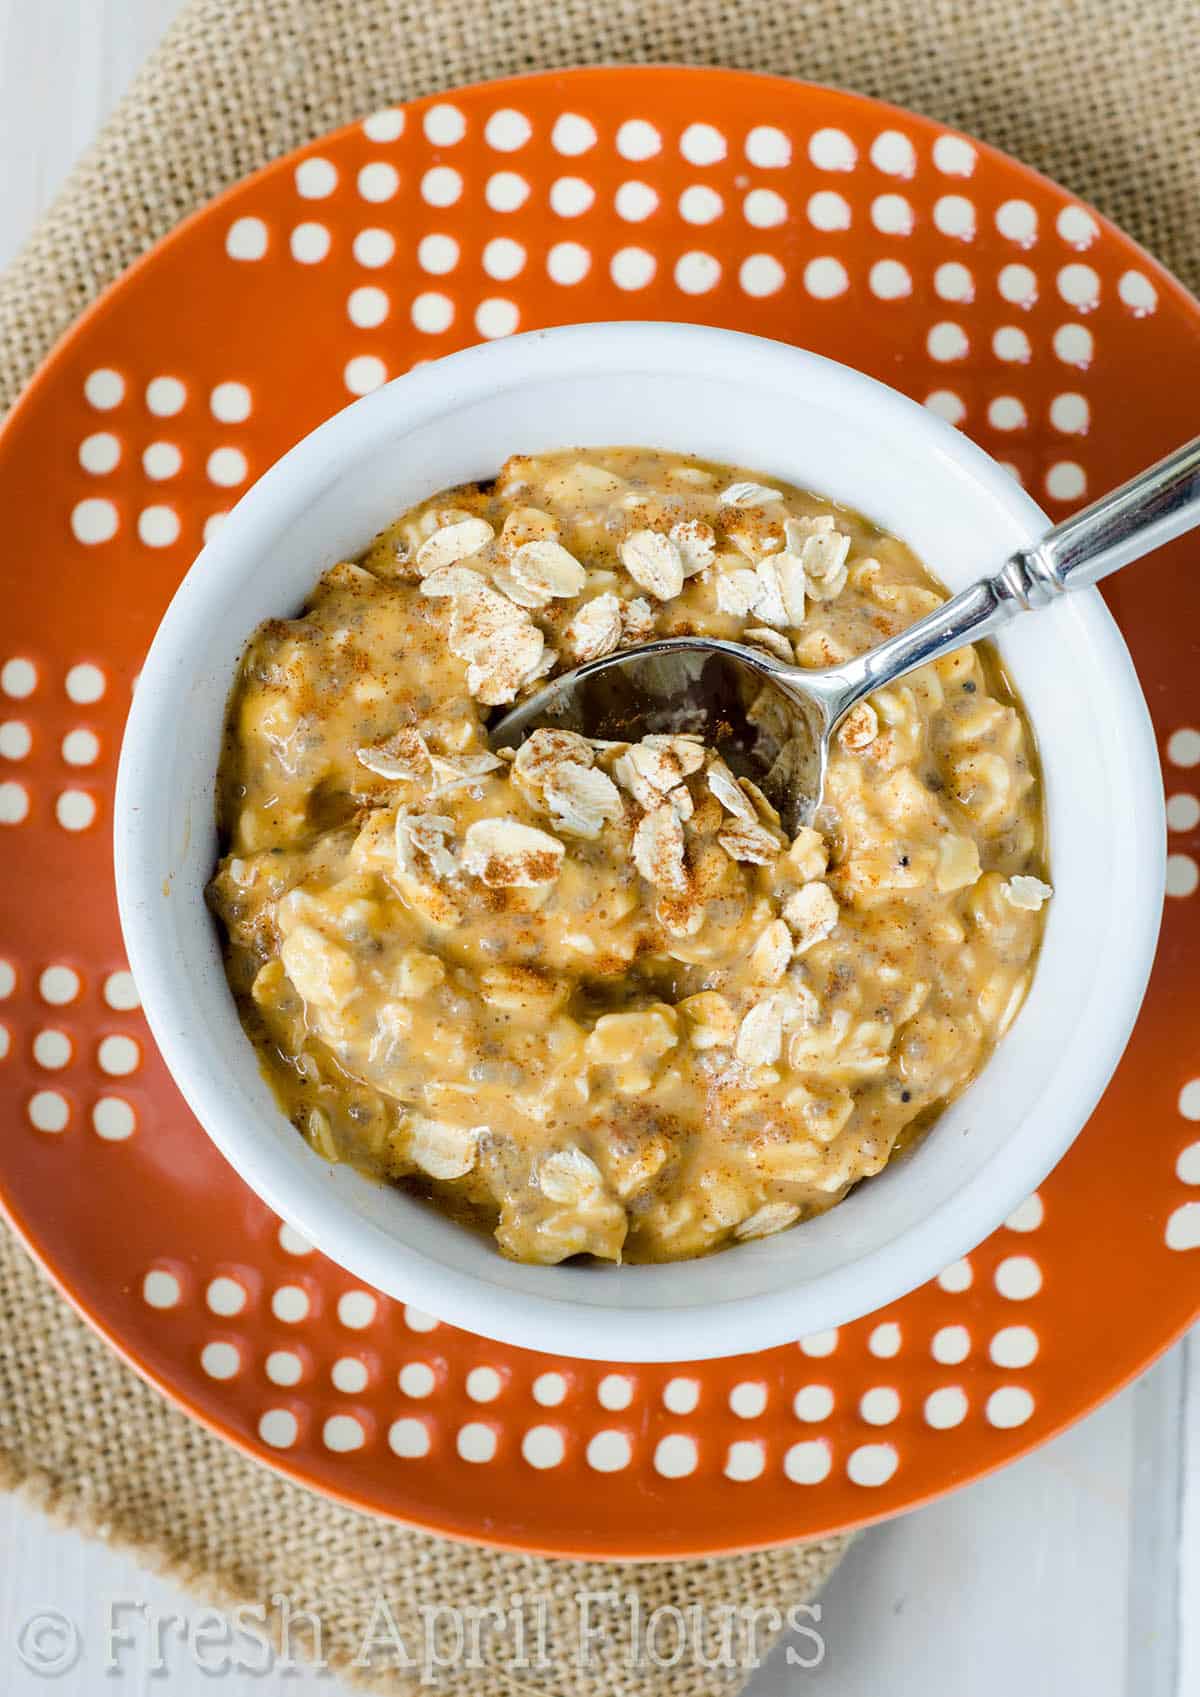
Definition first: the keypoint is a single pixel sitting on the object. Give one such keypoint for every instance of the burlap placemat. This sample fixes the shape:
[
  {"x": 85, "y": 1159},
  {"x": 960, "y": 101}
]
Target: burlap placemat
[{"x": 1101, "y": 94}]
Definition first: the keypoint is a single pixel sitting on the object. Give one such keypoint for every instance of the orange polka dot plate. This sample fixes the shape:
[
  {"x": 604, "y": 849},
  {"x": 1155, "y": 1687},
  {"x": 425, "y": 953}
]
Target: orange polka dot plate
[{"x": 805, "y": 214}]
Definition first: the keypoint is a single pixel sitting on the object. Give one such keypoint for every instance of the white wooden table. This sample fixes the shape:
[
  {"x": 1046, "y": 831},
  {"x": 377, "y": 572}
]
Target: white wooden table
[{"x": 1074, "y": 1573}]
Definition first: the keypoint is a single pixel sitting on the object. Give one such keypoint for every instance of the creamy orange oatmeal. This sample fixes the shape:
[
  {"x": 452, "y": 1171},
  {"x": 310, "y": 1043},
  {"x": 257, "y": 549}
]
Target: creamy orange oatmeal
[{"x": 594, "y": 995}]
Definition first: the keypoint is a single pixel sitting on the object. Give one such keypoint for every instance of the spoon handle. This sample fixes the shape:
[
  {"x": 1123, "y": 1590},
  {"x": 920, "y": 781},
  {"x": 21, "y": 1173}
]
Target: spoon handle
[{"x": 1154, "y": 507}]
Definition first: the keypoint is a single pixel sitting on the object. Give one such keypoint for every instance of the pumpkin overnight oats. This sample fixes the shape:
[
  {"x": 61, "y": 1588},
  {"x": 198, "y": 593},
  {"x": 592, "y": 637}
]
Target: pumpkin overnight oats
[{"x": 594, "y": 996}]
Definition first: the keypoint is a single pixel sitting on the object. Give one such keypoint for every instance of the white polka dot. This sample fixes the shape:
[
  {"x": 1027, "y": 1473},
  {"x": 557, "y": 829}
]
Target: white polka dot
[
  {"x": 947, "y": 341},
  {"x": 637, "y": 139},
  {"x": 635, "y": 202},
  {"x": 1189, "y": 1099},
  {"x": 1182, "y": 875},
  {"x": 416, "y": 1379},
  {"x": 950, "y": 1345},
  {"x": 52, "y": 1049},
  {"x": 444, "y": 125},
  {"x": 1018, "y": 1277},
  {"x": 614, "y": 1391},
  {"x": 1079, "y": 286},
  {"x": 702, "y": 144},
  {"x": 946, "y": 404},
  {"x": 316, "y": 179},
  {"x": 543, "y": 1446},
  {"x": 892, "y": 215},
  {"x": 118, "y": 1056},
  {"x": 808, "y": 1462},
  {"x": 1183, "y": 811},
  {"x": 496, "y": 317},
  {"x": 85, "y": 684},
  {"x": 872, "y": 1464},
  {"x": 681, "y": 1396},
  {"x": 1077, "y": 226},
  {"x": 885, "y": 1340},
  {"x": 1028, "y": 1215},
  {"x": 1183, "y": 1227},
  {"x": 367, "y": 307},
  {"x": 953, "y": 282},
  {"x": 161, "y": 1290},
  {"x": 100, "y": 453},
  {"x": 632, "y": 268},
  {"x": 385, "y": 125},
  {"x": 374, "y": 247},
  {"x": 1070, "y": 413},
  {"x": 889, "y": 280},
  {"x": 954, "y": 156},
  {"x": 113, "y": 1119},
  {"x": 1074, "y": 344},
  {"x": 954, "y": 215},
  {"x": 1017, "y": 285},
  {"x": 1013, "y": 1346},
  {"x": 291, "y": 1241},
  {"x": 818, "y": 1344},
  {"x": 568, "y": 263},
  {"x": 761, "y": 275},
  {"x": 549, "y": 1389},
  {"x": 220, "y": 1360},
  {"x": 378, "y": 181},
  {"x": 958, "y": 1276},
  {"x": 1011, "y": 344},
  {"x": 675, "y": 1456},
  {"x": 343, "y": 1432},
  {"x": 698, "y": 204},
  {"x": 1137, "y": 292},
  {"x": 161, "y": 460},
  {"x": 8, "y": 980},
  {"x": 505, "y": 191},
  {"x": 441, "y": 186},
  {"x": 437, "y": 254},
  {"x": 507, "y": 130},
  {"x": 572, "y": 135},
  {"x": 279, "y": 1428},
  {"x": 14, "y": 803},
  {"x": 418, "y": 1321},
  {"x": 166, "y": 396},
  {"x": 484, "y": 1384},
  {"x": 364, "y": 373},
  {"x": 409, "y": 1439},
  {"x": 813, "y": 1403},
  {"x": 5, "y": 1041},
  {"x": 349, "y": 1374},
  {"x": 104, "y": 389},
  {"x": 18, "y": 678},
  {"x": 748, "y": 1399},
  {"x": 893, "y": 154},
  {"x": 828, "y": 210},
  {"x": 609, "y": 1452},
  {"x": 246, "y": 238},
  {"x": 309, "y": 243},
  {"x": 290, "y": 1304},
  {"x": 59, "y": 985},
  {"x": 357, "y": 1309},
  {"x": 1066, "y": 481},
  {"x": 744, "y": 1460},
  {"x": 48, "y": 1111},
  {"x": 570, "y": 197},
  {"x": 16, "y": 739},
  {"x": 768, "y": 148},
  {"x": 696, "y": 273},
  {"x": 158, "y": 527},
  {"x": 476, "y": 1442},
  {"x": 503, "y": 259},
  {"x": 1183, "y": 747},
  {"x": 946, "y": 1407},
  {"x": 94, "y": 520},
  {"x": 880, "y": 1405},
  {"x": 1017, "y": 220},
  {"x": 225, "y": 1296},
  {"x": 1009, "y": 1406},
  {"x": 832, "y": 150},
  {"x": 764, "y": 209},
  {"x": 824, "y": 277},
  {"x": 1006, "y": 412},
  {"x": 284, "y": 1367}
]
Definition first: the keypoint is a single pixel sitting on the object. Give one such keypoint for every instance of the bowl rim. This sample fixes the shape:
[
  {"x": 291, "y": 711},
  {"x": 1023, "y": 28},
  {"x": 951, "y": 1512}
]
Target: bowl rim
[{"x": 382, "y": 1259}]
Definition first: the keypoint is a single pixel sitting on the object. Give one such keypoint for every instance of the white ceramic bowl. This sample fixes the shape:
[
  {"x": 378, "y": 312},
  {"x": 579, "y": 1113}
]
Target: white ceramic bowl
[{"x": 789, "y": 414}]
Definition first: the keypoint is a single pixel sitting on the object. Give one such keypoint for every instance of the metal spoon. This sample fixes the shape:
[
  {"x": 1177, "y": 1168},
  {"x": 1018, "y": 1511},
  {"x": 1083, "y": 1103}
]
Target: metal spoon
[{"x": 777, "y": 720}]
